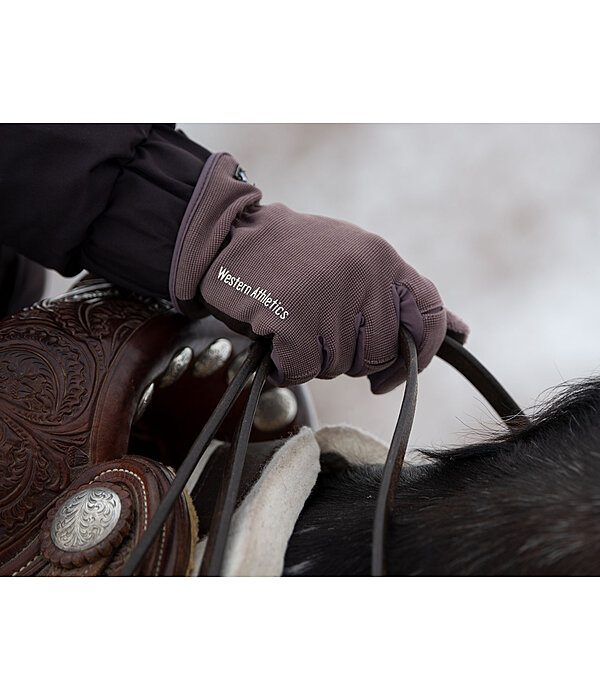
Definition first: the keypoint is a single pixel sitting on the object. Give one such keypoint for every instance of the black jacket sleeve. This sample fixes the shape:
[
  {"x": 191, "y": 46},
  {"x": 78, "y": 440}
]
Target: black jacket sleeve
[{"x": 105, "y": 198}]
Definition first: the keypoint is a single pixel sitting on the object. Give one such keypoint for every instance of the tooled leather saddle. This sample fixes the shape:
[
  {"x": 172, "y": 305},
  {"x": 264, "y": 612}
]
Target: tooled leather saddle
[{"x": 102, "y": 392}]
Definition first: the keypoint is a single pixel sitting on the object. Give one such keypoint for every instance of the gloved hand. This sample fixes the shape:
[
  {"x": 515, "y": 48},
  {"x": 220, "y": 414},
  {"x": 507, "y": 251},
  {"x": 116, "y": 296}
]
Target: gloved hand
[{"x": 330, "y": 294}]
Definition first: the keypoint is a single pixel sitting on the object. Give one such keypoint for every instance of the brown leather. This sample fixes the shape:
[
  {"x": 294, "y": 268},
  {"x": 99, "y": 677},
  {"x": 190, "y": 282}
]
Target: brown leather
[
  {"x": 72, "y": 371},
  {"x": 144, "y": 483}
]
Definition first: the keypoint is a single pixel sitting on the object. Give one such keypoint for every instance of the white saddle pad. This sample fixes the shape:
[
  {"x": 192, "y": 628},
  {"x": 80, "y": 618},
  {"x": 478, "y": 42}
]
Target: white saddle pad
[{"x": 263, "y": 523}]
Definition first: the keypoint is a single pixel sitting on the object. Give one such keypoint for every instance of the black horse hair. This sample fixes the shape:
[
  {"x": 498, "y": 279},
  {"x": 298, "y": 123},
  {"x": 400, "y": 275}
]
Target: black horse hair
[{"x": 517, "y": 504}]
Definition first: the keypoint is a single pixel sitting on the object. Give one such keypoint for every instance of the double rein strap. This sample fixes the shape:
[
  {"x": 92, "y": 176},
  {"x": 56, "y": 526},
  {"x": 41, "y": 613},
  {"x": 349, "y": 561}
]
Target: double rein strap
[{"x": 258, "y": 362}]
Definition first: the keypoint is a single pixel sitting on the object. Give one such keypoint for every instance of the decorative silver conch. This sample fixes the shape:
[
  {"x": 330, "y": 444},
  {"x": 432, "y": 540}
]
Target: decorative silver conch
[{"x": 85, "y": 519}]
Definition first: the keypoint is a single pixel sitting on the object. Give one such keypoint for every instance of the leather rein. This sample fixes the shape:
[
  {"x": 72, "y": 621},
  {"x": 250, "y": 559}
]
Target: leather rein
[{"x": 257, "y": 363}]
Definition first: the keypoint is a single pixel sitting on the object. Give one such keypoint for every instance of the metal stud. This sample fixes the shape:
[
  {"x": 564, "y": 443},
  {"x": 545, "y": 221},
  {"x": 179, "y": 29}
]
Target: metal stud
[
  {"x": 276, "y": 409},
  {"x": 177, "y": 366},
  {"x": 213, "y": 358},
  {"x": 144, "y": 402}
]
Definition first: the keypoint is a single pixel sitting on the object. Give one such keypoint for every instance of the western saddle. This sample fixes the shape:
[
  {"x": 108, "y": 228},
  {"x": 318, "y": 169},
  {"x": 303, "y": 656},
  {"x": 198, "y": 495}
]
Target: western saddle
[{"x": 100, "y": 390}]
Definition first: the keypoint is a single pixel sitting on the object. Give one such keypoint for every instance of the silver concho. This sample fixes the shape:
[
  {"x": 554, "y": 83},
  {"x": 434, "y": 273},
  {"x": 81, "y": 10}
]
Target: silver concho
[
  {"x": 85, "y": 519},
  {"x": 276, "y": 409},
  {"x": 144, "y": 402},
  {"x": 177, "y": 366},
  {"x": 213, "y": 358}
]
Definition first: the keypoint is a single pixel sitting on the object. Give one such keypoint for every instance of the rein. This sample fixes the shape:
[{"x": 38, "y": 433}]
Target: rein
[
  {"x": 452, "y": 352},
  {"x": 257, "y": 362}
]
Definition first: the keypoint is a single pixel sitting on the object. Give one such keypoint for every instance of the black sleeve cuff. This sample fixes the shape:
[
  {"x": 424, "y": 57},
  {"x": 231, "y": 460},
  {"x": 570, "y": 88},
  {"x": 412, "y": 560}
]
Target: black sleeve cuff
[{"x": 131, "y": 243}]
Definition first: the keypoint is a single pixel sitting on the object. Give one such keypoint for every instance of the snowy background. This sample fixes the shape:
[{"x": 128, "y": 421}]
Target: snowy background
[{"x": 505, "y": 219}]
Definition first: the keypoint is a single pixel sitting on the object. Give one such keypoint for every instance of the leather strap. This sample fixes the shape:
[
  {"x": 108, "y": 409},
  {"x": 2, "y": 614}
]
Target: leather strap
[
  {"x": 212, "y": 561},
  {"x": 451, "y": 351},
  {"x": 395, "y": 457},
  {"x": 482, "y": 379}
]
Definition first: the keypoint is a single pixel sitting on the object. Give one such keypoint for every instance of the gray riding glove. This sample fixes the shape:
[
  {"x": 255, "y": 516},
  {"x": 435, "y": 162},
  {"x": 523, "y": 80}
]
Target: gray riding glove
[{"x": 330, "y": 294}]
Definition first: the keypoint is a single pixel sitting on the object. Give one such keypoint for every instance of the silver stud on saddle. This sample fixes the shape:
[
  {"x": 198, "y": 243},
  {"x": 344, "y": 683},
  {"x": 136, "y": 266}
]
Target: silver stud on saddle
[
  {"x": 213, "y": 358},
  {"x": 144, "y": 402},
  {"x": 276, "y": 409},
  {"x": 178, "y": 365}
]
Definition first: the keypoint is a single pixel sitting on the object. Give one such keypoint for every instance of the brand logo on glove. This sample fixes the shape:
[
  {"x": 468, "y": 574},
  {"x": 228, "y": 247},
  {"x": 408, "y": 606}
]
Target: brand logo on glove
[{"x": 260, "y": 294}]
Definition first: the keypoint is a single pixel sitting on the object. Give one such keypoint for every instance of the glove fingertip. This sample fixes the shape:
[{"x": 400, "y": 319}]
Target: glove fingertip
[
  {"x": 385, "y": 381},
  {"x": 456, "y": 327},
  {"x": 377, "y": 387}
]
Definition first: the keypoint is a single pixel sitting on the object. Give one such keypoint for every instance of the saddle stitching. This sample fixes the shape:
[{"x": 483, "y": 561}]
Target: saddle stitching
[
  {"x": 160, "y": 551},
  {"x": 37, "y": 556}
]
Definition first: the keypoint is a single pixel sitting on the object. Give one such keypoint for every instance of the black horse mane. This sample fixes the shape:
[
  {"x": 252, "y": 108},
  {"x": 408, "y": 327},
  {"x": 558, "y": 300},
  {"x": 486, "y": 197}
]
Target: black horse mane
[{"x": 515, "y": 504}]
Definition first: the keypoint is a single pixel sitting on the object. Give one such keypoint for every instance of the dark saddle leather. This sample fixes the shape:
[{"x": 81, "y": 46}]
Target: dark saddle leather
[{"x": 102, "y": 392}]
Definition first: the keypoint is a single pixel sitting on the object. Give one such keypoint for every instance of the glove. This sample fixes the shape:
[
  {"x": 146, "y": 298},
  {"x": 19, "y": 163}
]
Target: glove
[{"x": 330, "y": 294}]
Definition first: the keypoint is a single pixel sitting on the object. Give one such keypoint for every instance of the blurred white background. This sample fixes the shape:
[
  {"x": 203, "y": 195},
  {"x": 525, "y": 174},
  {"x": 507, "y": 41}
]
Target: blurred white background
[{"x": 505, "y": 219}]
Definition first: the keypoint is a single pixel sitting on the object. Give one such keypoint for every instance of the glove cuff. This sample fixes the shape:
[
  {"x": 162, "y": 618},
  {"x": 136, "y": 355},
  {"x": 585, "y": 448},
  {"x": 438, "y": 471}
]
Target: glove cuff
[{"x": 221, "y": 194}]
